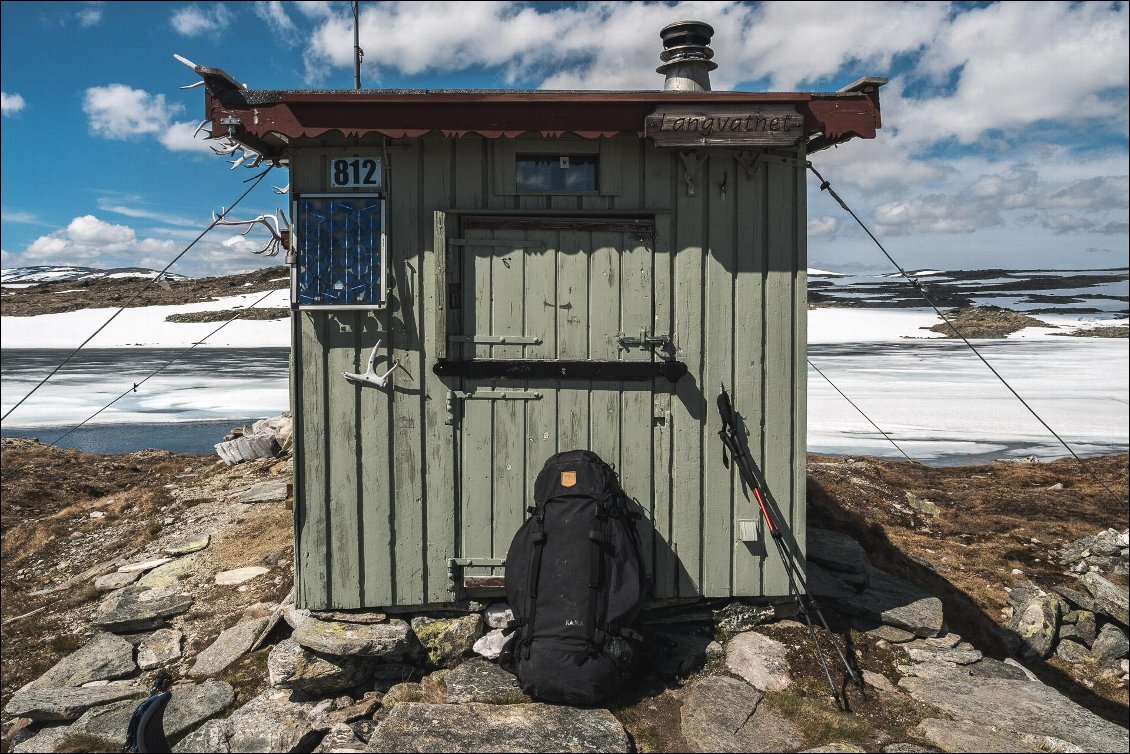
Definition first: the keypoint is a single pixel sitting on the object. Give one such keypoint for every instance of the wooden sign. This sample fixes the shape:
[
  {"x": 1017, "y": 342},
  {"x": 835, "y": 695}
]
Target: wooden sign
[{"x": 756, "y": 125}]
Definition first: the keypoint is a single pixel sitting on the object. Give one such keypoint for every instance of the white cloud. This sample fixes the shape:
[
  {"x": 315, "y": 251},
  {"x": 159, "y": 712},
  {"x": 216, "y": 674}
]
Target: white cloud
[
  {"x": 314, "y": 8},
  {"x": 936, "y": 213},
  {"x": 10, "y": 104},
  {"x": 109, "y": 204},
  {"x": 88, "y": 238},
  {"x": 16, "y": 216},
  {"x": 118, "y": 111},
  {"x": 822, "y": 226},
  {"x": 193, "y": 20},
  {"x": 1066, "y": 222},
  {"x": 178, "y": 137},
  {"x": 89, "y": 16},
  {"x": 276, "y": 17}
]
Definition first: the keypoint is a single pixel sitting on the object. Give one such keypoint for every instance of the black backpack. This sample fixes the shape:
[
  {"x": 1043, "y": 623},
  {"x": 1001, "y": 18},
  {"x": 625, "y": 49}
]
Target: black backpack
[{"x": 575, "y": 582}]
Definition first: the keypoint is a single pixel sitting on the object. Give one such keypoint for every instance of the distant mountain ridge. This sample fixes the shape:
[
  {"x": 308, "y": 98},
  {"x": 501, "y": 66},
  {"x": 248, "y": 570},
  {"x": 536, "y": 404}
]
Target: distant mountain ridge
[{"x": 61, "y": 273}]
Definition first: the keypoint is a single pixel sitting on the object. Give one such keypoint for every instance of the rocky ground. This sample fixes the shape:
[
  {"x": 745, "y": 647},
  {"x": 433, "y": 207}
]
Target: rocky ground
[
  {"x": 984, "y": 607},
  {"x": 71, "y": 295}
]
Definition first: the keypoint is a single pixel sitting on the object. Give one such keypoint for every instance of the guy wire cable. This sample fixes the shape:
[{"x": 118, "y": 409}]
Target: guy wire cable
[
  {"x": 826, "y": 186},
  {"x": 257, "y": 179},
  {"x": 163, "y": 367},
  {"x": 890, "y": 439}
]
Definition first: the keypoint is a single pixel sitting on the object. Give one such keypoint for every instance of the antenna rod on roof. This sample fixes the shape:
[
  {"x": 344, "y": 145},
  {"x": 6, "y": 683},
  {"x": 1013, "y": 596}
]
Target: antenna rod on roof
[{"x": 358, "y": 53}]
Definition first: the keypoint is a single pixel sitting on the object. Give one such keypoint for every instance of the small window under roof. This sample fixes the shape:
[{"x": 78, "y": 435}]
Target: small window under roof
[{"x": 557, "y": 173}]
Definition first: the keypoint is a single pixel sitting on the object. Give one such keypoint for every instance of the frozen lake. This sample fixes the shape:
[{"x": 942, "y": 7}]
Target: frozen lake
[{"x": 934, "y": 397}]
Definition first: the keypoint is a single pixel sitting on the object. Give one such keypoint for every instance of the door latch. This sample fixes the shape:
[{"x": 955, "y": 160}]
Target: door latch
[{"x": 646, "y": 340}]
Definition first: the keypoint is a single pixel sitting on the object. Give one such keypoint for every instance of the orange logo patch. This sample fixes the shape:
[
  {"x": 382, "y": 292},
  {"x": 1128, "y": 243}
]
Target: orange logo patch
[{"x": 568, "y": 478}]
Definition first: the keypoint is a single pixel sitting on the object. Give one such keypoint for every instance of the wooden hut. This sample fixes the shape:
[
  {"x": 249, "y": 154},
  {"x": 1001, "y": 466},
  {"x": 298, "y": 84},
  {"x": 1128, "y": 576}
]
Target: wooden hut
[{"x": 542, "y": 271}]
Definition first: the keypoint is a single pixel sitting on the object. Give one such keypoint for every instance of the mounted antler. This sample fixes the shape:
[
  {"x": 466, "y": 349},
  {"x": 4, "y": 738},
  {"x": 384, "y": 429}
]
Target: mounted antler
[{"x": 277, "y": 225}]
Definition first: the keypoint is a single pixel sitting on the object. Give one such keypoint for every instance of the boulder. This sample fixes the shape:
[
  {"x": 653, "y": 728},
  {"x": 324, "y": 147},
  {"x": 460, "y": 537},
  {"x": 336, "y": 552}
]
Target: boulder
[
  {"x": 761, "y": 661},
  {"x": 145, "y": 565},
  {"x": 247, "y": 448},
  {"x": 66, "y": 703},
  {"x": 402, "y": 693},
  {"x": 828, "y": 584},
  {"x": 189, "y": 706},
  {"x": 990, "y": 668},
  {"x": 834, "y": 748},
  {"x": 1109, "y": 599},
  {"x": 1036, "y": 623},
  {"x": 1072, "y": 651},
  {"x": 341, "y": 739},
  {"x": 160, "y": 648},
  {"x": 240, "y": 575},
  {"x": 116, "y": 580},
  {"x": 963, "y": 736},
  {"x": 415, "y": 727},
  {"x": 957, "y": 656},
  {"x": 477, "y": 680},
  {"x": 266, "y": 492},
  {"x": 836, "y": 551},
  {"x": 292, "y": 666},
  {"x": 1014, "y": 705},
  {"x": 140, "y": 608},
  {"x": 903, "y": 748},
  {"x": 228, "y": 647},
  {"x": 737, "y": 617},
  {"x": 491, "y": 644},
  {"x": 879, "y": 681},
  {"x": 271, "y": 722},
  {"x": 1111, "y": 645},
  {"x": 1079, "y": 625},
  {"x": 171, "y": 572},
  {"x": 188, "y": 545},
  {"x": 49, "y": 740},
  {"x": 389, "y": 641},
  {"x": 887, "y": 633},
  {"x": 678, "y": 654},
  {"x": 209, "y": 738},
  {"x": 722, "y": 714},
  {"x": 1081, "y": 600},
  {"x": 104, "y": 657},
  {"x": 898, "y": 603},
  {"x": 447, "y": 640}
]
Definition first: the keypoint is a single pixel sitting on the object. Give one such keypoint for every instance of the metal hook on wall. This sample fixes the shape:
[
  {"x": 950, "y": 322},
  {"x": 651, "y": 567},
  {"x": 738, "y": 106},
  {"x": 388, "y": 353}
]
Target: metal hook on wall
[{"x": 370, "y": 376}]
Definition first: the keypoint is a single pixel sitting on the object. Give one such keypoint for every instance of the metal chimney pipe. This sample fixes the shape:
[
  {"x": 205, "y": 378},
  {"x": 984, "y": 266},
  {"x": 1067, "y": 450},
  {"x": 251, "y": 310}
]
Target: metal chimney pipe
[{"x": 687, "y": 56}]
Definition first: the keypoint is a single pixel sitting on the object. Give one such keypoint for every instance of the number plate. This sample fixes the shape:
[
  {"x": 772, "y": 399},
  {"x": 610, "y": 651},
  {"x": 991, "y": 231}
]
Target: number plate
[{"x": 355, "y": 172}]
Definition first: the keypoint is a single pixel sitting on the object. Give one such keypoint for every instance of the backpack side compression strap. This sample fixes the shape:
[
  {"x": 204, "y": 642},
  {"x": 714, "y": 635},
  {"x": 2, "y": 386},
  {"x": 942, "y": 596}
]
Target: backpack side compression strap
[{"x": 532, "y": 585}]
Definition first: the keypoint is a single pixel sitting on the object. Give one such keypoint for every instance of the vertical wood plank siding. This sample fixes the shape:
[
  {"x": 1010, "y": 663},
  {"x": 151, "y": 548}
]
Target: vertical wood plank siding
[{"x": 388, "y": 488}]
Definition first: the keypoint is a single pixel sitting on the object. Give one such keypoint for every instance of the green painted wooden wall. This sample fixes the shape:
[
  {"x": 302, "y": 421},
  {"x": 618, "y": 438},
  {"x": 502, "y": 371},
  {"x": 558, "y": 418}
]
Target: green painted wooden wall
[{"x": 388, "y": 489}]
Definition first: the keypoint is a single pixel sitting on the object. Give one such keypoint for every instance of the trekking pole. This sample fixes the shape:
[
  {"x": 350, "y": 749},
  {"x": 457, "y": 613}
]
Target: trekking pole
[{"x": 806, "y": 605}]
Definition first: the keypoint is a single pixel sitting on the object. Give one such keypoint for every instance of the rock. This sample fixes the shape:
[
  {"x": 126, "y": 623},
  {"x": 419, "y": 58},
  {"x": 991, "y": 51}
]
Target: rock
[
  {"x": 415, "y": 727},
  {"x": 1072, "y": 651},
  {"x": 761, "y": 661},
  {"x": 228, "y": 647},
  {"x": 292, "y": 666},
  {"x": 1107, "y": 543},
  {"x": 1036, "y": 625},
  {"x": 189, "y": 706},
  {"x": 922, "y": 506},
  {"x": 906, "y": 749},
  {"x": 1014, "y": 663},
  {"x": 171, "y": 572},
  {"x": 340, "y": 740},
  {"x": 722, "y": 714},
  {"x": 104, "y": 657},
  {"x": 271, "y": 722},
  {"x": 491, "y": 644},
  {"x": 247, "y": 448},
  {"x": 188, "y": 545},
  {"x": 447, "y": 640},
  {"x": 836, "y": 748},
  {"x": 65, "y": 703},
  {"x": 140, "y": 608},
  {"x": 350, "y": 616},
  {"x": 115, "y": 580},
  {"x": 363, "y": 709},
  {"x": 887, "y": 633},
  {"x": 738, "y": 616},
  {"x": 266, "y": 492},
  {"x": 1081, "y": 600},
  {"x": 1081, "y": 627},
  {"x": 211, "y": 738},
  {"x": 402, "y": 693},
  {"x": 963, "y": 736},
  {"x": 239, "y": 575},
  {"x": 1111, "y": 645},
  {"x": 480, "y": 681},
  {"x": 1013, "y": 705},
  {"x": 897, "y": 603},
  {"x": 942, "y": 654},
  {"x": 48, "y": 740},
  {"x": 497, "y": 615},
  {"x": 990, "y": 668},
  {"x": 389, "y": 641},
  {"x": 147, "y": 565},
  {"x": 678, "y": 654},
  {"x": 1109, "y": 599},
  {"x": 879, "y": 681},
  {"x": 831, "y": 585},
  {"x": 386, "y": 674}
]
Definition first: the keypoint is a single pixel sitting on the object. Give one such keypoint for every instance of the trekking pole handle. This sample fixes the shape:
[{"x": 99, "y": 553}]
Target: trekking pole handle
[{"x": 725, "y": 408}]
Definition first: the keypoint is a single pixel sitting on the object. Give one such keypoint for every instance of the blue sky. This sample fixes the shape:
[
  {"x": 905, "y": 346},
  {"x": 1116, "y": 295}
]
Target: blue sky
[{"x": 1005, "y": 139}]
